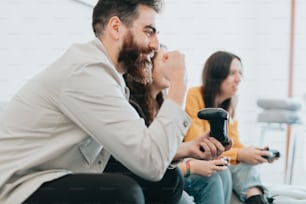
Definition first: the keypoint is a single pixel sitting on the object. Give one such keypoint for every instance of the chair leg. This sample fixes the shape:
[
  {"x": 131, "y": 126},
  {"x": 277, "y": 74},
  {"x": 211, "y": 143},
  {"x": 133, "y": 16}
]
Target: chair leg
[{"x": 291, "y": 158}]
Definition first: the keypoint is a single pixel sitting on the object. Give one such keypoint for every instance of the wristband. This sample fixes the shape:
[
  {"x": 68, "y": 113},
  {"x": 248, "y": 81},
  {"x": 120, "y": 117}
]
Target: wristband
[
  {"x": 187, "y": 163},
  {"x": 188, "y": 178}
]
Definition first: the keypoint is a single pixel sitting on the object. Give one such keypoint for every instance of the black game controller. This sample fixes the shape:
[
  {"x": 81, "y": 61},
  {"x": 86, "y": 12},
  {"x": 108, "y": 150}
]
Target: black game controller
[
  {"x": 218, "y": 119},
  {"x": 274, "y": 154}
]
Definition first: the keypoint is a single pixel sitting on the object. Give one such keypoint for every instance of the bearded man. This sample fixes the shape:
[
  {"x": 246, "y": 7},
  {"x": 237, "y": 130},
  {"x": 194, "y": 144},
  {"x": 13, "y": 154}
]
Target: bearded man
[{"x": 60, "y": 129}]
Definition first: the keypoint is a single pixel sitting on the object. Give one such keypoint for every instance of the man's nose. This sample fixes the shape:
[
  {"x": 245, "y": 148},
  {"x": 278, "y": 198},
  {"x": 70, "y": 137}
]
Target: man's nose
[{"x": 154, "y": 43}]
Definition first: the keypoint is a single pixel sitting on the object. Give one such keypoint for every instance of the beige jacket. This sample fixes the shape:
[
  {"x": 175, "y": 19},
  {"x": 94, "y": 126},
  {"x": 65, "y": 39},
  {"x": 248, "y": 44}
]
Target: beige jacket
[{"x": 71, "y": 117}]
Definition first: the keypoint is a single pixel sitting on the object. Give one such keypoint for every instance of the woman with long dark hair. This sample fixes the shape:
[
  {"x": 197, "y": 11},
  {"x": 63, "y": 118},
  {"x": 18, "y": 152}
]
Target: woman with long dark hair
[
  {"x": 221, "y": 76},
  {"x": 147, "y": 100}
]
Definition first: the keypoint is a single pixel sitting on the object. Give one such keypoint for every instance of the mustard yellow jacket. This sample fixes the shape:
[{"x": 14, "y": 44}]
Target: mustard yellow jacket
[{"x": 194, "y": 103}]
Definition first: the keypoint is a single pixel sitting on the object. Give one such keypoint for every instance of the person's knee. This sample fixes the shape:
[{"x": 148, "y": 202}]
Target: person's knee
[
  {"x": 245, "y": 177},
  {"x": 128, "y": 190},
  {"x": 212, "y": 182},
  {"x": 206, "y": 189},
  {"x": 172, "y": 185},
  {"x": 215, "y": 180},
  {"x": 226, "y": 177}
]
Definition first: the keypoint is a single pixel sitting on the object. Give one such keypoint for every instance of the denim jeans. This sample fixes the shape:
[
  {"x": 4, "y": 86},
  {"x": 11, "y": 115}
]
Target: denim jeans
[
  {"x": 216, "y": 188},
  {"x": 245, "y": 176},
  {"x": 186, "y": 199}
]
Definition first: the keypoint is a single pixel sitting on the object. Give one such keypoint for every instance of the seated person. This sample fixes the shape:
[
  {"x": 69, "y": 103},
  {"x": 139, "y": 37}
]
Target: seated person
[
  {"x": 220, "y": 79},
  {"x": 213, "y": 181},
  {"x": 59, "y": 130}
]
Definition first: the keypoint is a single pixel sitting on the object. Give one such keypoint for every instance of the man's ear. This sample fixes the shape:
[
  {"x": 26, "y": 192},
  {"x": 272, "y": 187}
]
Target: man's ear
[{"x": 114, "y": 25}]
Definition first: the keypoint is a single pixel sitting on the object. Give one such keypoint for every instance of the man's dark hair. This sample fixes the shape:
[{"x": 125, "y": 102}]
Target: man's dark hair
[{"x": 125, "y": 10}]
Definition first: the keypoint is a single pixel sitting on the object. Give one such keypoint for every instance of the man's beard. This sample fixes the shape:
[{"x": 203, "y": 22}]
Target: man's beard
[{"x": 136, "y": 61}]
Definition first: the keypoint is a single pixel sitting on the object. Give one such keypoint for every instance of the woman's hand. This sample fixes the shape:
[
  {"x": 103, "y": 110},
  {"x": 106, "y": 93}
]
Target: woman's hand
[
  {"x": 252, "y": 155},
  {"x": 207, "y": 168}
]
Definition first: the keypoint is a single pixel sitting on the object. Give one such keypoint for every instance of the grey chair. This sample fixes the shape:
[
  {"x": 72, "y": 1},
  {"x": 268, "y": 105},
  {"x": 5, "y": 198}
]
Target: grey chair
[{"x": 279, "y": 114}]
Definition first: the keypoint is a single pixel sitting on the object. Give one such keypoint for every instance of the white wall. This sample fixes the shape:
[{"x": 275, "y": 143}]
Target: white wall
[
  {"x": 35, "y": 32},
  {"x": 257, "y": 31}
]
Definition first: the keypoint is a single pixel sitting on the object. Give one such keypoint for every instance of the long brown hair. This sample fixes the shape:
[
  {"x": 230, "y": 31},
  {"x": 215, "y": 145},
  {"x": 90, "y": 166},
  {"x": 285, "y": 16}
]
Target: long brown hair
[
  {"x": 215, "y": 71},
  {"x": 141, "y": 96}
]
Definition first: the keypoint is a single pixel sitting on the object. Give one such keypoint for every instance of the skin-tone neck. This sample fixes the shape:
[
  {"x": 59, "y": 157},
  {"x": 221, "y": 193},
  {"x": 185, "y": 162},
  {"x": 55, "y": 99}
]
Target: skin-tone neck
[
  {"x": 154, "y": 90},
  {"x": 112, "y": 39},
  {"x": 219, "y": 100},
  {"x": 111, "y": 52}
]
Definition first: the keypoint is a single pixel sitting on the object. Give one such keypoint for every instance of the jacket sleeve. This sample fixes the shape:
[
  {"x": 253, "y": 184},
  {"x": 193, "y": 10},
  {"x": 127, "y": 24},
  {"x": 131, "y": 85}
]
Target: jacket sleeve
[{"x": 96, "y": 103}]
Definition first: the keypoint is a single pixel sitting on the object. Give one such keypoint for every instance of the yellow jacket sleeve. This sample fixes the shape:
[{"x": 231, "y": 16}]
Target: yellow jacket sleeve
[{"x": 194, "y": 103}]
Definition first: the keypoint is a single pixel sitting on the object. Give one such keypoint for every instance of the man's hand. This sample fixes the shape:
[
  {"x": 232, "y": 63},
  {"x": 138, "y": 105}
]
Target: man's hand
[
  {"x": 203, "y": 148},
  {"x": 230, "y": 144}
]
